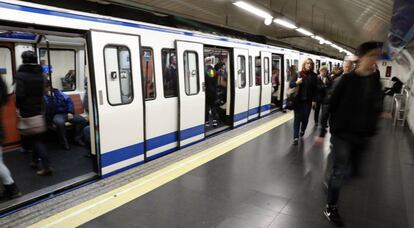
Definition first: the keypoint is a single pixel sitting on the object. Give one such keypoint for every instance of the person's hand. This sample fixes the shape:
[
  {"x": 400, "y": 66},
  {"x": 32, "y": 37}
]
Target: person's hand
[
  {"x": 70, "y": 116},
  {"x": 299, "y": 81},
  {"x": 319, "y": 140}
]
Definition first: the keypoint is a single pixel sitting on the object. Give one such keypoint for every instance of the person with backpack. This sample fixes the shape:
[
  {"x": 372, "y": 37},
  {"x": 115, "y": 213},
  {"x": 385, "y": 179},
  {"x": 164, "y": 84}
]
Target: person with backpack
[
  {"x": 30, "y": 88},
  {"x": 305, "y": 84},
  {"x": 10, "y": 188},
  {"x": 355, "y": 105}
]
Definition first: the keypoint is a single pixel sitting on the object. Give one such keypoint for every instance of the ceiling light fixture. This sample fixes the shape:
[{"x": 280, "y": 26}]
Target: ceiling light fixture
[
  {"x": 285, "y": 23},
  {"x": 252, "y": 9},
  {"x": 304, "y": 32},
  {"x": 268, "y": 21}
]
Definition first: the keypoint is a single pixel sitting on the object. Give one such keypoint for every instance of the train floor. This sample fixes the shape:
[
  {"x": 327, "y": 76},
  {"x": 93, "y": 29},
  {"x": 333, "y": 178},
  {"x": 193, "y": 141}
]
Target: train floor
[
  {"x": 66, "y": 164},
  {"x": 267, "y": 182}
]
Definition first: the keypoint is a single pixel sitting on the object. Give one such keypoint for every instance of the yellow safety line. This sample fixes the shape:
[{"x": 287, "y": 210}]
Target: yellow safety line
[{"x": 104, "y": 203}]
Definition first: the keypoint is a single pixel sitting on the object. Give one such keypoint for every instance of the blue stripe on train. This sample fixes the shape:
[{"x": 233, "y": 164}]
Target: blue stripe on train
[
  {"x": 191, "y": 132},
  {"x": 265, "y": 108},
  {"x": 122, "y": 154},
  {"x": 251, "y": 112},
  {"x": 162, "y": 140}
]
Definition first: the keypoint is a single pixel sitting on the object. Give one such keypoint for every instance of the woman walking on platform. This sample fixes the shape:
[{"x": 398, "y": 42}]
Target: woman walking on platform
[{"x": 305, "y": 82}]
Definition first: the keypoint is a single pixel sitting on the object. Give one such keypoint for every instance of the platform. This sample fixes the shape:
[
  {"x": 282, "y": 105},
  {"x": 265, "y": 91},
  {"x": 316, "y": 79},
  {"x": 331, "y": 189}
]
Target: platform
[{"x": 265, "y": 182}]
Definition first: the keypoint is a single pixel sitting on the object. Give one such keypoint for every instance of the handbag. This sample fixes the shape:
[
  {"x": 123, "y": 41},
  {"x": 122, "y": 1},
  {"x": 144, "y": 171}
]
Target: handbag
[
  {"x": 32, "y": 125},
  {"x": 291, "y": 97}
]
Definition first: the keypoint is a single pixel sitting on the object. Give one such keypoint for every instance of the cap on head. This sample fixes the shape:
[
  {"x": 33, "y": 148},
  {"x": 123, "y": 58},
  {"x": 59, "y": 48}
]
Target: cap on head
[{"x": 366, "y": 47}]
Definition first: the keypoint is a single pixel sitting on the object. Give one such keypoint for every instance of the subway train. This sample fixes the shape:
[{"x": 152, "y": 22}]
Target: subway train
[{"x": 147, "y": 84}]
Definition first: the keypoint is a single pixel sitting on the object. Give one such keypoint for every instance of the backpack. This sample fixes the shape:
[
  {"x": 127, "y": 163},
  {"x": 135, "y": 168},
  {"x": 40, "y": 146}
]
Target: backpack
[{"x": 3, "y": 92}]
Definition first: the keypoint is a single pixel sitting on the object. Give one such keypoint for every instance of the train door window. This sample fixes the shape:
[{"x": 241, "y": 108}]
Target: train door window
[
  {"x": 258, "y": 69},
  {"x": 169, "y": 66},
  {"x": 250, "y": 71},
  {"x": 318, "y": 65},
  {"x": 148, "y": 75},
  {"x": 266, "y": 70},
  {"x": 191, "y": 74},
  {"x": 241, "y": 71},
  {"x": 330, "y": 66},
  {"x": 6, "y": 68},
  {"x": 118, "y": 74},
  {"x": 62, "y": 67},
  {"x": 288, "y": 73},
  {"x": 296, "y": 63}
]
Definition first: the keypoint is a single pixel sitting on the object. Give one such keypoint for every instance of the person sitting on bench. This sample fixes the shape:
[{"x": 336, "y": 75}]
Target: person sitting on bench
[{"x": 59, "y": 110}]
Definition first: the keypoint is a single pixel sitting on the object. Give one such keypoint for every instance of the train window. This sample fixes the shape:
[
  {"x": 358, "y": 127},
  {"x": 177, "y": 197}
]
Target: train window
[
  {"x": 288, "y": 73},
  {"x": 250, "y": 71},
  {"x": 266, "y": 70},
  {"x": 296, "y": 63},
  {"x": 169, "y": 66},
  {"x": 241, "y": 71},
  {"x": 6, "y": 70},
  {"x": 118, "y": 74},
  {"x": 258, "y": 69},
  {"x": 148, "y": 74},
  {"x": 191, "y": 73},
  {"x": 318, "y": 65},
  {"x": 62, "y": 67}
]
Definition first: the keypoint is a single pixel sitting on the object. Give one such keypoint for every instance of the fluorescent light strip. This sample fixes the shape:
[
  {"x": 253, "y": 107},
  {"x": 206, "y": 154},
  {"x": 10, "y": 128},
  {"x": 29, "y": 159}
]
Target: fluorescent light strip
[
  {"x": 304, "y": 32},
  {"x": 252, "y": 9},
  {"x": 285, "y": 23}
]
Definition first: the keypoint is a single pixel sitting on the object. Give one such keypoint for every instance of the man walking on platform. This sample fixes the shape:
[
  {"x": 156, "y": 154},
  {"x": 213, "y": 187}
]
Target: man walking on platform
[{"x": 355, "y": 105}]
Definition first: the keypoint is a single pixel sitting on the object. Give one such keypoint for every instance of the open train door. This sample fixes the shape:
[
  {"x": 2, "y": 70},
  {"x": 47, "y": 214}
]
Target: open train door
[
  {"x": 191, "y": 92},
  {"x": 115, "y": 64},
  {"x": 266, "y": 83},
  {"x": 241, "y": 88}
]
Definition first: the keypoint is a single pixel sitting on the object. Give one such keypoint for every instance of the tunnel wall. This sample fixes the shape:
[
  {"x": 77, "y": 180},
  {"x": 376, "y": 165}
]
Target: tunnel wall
[{"x": 405, "y": 68}]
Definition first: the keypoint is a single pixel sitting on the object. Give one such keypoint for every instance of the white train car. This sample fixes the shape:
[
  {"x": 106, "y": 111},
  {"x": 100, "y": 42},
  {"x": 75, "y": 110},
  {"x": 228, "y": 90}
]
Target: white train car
[{"x": 138, "y": 111}]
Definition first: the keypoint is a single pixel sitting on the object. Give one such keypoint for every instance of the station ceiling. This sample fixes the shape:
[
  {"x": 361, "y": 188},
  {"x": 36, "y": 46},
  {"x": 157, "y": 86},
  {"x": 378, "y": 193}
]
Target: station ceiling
[{"x": 344, "y": 22}]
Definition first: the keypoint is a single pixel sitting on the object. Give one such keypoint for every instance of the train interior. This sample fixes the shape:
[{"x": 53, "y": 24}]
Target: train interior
[
  {"x": 277, "y": 77},
  {"x": 63, "y": 59},
  {"x": 218, "y": 91}
]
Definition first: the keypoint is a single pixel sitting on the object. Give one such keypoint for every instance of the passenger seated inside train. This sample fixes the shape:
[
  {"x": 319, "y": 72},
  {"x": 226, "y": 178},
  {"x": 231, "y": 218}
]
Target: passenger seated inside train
[
  {"x": 69, "y": 81},
  {"x": 59, "y": 111}
]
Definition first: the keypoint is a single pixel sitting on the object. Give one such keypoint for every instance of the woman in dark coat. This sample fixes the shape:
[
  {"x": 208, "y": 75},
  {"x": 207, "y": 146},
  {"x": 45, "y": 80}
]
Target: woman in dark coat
[
  {"x": 305, "y": 81},
  {"x": 30, "y": 88}
]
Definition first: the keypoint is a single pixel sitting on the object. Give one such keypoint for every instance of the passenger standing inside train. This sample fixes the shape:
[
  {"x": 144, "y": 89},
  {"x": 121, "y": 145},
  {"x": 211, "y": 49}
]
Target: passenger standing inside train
[
  {"x": 355, "y": 106},
  {"x": 323, "y": 83},
  {"x": 211, "y": 95},
  {"x": 305, "y": 82},
  {"x": 292, "y": 72},
  {"x": 171, "y": 76},
  {"x": 10, "y": 188},
  {"x": 30, "y": 87}
]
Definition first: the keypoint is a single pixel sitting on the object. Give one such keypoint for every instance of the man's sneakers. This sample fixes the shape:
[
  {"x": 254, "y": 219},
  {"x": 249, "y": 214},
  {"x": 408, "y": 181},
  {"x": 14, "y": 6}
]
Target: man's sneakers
[
  {"x": 295, "y": 141},
  {"x": 331, "y": 213}
]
